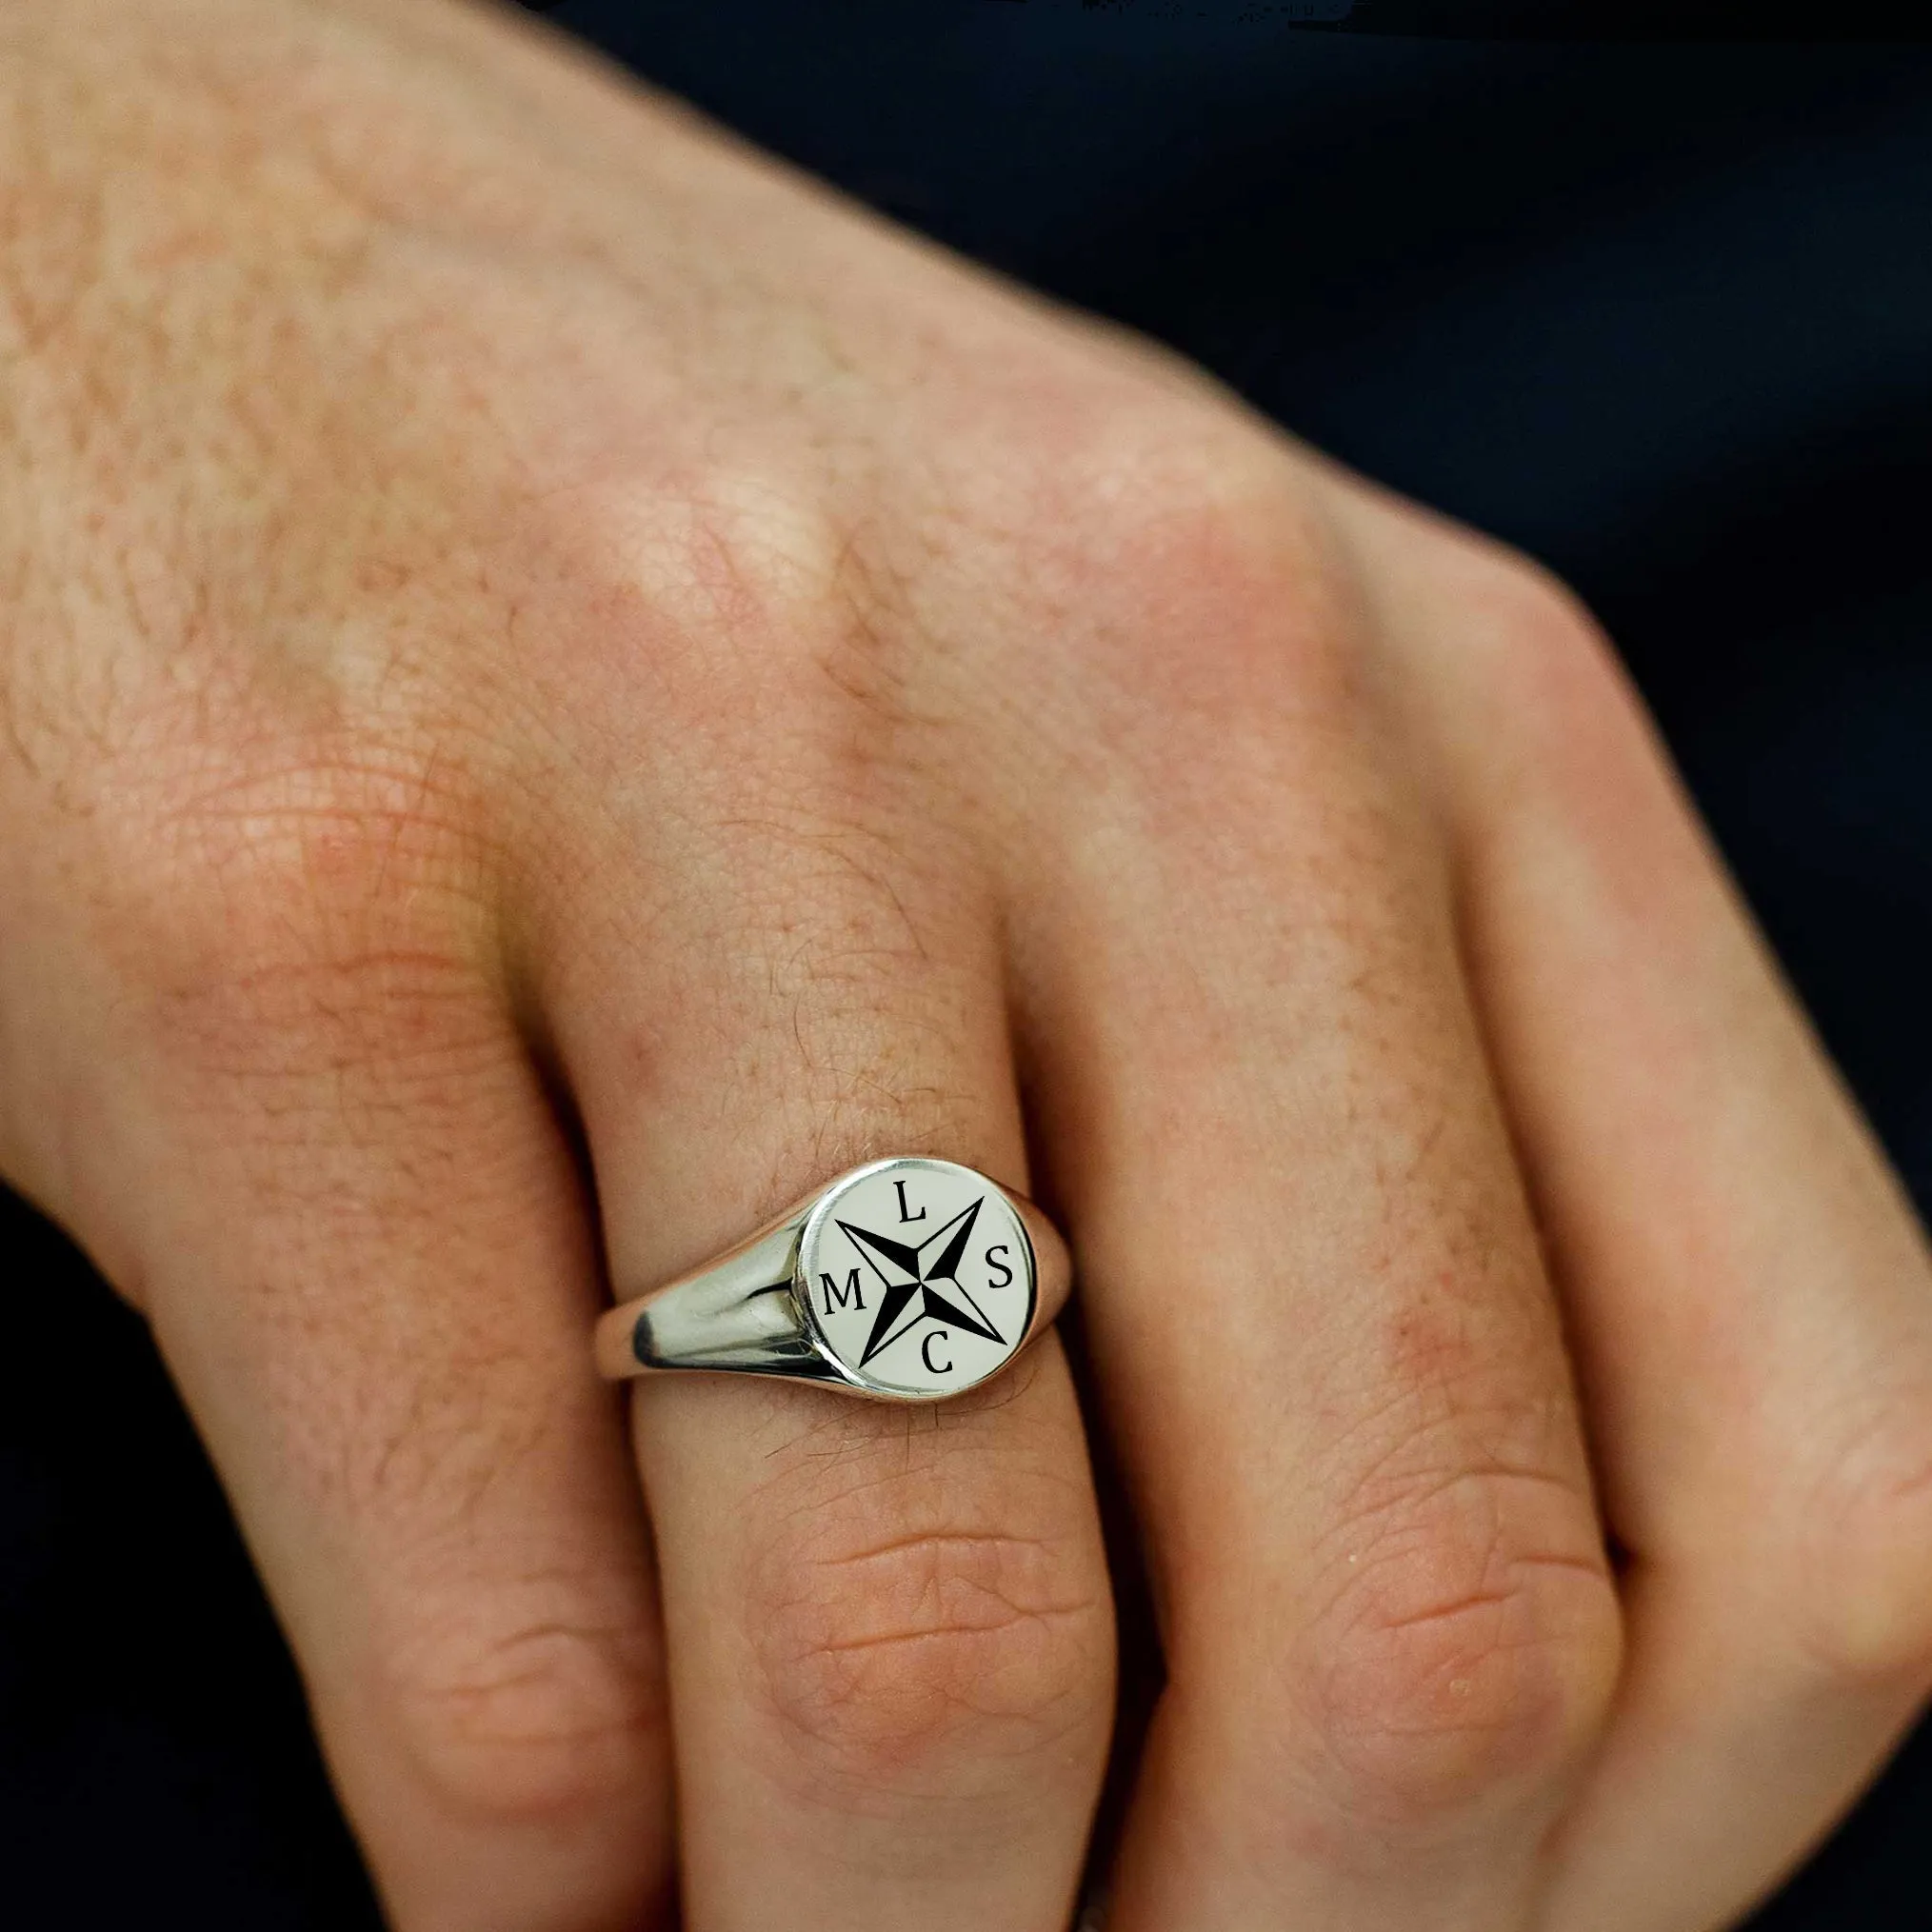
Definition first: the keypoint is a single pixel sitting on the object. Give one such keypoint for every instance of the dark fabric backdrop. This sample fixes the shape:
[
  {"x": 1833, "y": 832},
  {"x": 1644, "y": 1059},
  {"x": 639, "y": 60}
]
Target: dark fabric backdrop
[{"x": 1660, "y": 315}]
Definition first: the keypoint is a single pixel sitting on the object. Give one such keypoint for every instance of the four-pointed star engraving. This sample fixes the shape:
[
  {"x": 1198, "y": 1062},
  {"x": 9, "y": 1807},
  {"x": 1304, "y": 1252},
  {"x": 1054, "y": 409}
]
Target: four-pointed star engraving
[{"x": 887, "y": 1325}]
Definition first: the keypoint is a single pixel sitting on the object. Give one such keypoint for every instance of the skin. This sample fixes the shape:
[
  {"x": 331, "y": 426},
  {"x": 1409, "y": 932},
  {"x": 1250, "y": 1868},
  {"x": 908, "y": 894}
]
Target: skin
[{"x": 558, "y": 687}]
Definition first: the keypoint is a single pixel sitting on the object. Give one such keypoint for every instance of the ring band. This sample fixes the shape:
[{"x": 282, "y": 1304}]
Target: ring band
[{"x": 906, "y": 1279}]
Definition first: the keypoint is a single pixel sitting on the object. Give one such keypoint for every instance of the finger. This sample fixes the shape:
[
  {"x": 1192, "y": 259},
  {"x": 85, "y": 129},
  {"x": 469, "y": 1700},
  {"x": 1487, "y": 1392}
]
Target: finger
[
  {"x": 1749, "y": 1294},
  {"x": 1330, "y": 1359},
  {"x": 364, "y": 1250},
  {"x": 891, "y": 1632}
]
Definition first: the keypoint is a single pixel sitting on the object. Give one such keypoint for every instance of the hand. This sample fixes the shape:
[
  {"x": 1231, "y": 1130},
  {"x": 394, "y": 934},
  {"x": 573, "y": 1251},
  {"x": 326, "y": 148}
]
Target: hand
[{"x": 559, "y": 687}]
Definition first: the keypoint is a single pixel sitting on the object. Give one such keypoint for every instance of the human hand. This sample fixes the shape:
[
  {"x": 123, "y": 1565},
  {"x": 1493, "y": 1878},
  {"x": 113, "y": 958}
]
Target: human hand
[{"x": 541, "y": 655}]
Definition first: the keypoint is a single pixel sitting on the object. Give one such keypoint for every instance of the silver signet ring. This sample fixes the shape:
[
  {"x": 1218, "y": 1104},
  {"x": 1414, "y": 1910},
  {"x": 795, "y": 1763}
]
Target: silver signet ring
[{"x": 907, "y": 1280}]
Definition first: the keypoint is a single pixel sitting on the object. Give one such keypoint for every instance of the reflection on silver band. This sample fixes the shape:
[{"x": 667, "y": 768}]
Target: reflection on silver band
[
  {"x": 908, "y": 1279},
  {"x": 739, "y": 1313}
]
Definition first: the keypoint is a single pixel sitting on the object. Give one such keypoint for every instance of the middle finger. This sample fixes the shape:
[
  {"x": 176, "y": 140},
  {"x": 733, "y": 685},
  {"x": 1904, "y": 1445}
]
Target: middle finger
[{"x": 1318, "y": 1319}]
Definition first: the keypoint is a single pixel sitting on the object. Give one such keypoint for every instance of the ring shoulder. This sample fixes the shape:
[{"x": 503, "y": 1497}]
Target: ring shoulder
[
  {"x": 739, "y": 1313},
  {"x": 1052, "y": 1263}
]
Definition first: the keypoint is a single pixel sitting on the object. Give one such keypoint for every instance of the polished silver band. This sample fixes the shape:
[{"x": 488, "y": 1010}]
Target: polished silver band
[{"x": 906, "y": 1279}]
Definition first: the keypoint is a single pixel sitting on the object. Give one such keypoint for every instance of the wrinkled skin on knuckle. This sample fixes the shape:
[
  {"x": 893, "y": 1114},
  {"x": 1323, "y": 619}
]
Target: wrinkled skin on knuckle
[
  {"x": 1855, "y": 1548},
  {"x": 518, "y": 1705},
  {"x": 269, "y": 931},
  {"x": 1459, "y": 1625},
  {"x": 929, "y": 1616},
  {"x": 1464, "y": 1637},
  {"x": 309, "y": 916}
]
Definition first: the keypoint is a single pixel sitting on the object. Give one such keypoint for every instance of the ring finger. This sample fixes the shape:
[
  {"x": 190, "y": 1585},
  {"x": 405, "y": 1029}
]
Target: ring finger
[{"x": 890, "y": 1630}]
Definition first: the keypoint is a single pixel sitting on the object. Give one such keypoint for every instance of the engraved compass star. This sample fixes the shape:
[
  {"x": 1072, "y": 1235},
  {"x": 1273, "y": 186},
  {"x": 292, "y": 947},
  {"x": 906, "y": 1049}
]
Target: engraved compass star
[{"x": 896, "y": 1316}]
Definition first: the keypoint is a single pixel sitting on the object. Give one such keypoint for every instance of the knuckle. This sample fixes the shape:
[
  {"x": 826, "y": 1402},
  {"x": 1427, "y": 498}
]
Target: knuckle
[
  {"x": 949, "y": 1648},
  {"x": 1203, "y": 611},
  {"x": 1193, "y": 526},
  {"x": 916, "y": 1635},
  {"x": 1551, "y": 669},
  {"x": 1532, "y": 617},
  {"x": 1860, "y": 1557},
  {"x": 742, "y": 551},
  {"x": 735, "y": 557},
  {"x": 320, "y": 898},
  {"x": 528, "y": 1720},
  {"x": 747, "y": 578},
  {"x": 1467, "y": 1652}
]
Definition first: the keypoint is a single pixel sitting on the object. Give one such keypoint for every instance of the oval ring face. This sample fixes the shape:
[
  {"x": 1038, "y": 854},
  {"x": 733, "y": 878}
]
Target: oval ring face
[{"x": 917, "y": 1278}]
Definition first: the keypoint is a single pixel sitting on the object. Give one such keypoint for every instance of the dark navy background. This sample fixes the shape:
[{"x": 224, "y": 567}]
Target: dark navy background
[{"x": 1660, "y": 315}]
